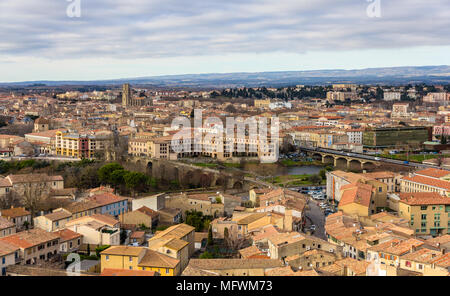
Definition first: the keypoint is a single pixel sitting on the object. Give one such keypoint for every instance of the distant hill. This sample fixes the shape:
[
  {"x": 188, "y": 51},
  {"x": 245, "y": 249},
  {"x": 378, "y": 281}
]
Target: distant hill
[{"x": 393, "y": 75}]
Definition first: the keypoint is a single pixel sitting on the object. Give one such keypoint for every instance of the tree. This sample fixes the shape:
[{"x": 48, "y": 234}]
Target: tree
[
  {"x": 210, "y": 237},
  {"x": 10, "y": 199},
  {"x": 33, "y": 195},
  {"x": 230, "y": 109},
  {"x": 117, "y": 178},
  {"x": 315, "y": 179},
  {"x": 206, "y": 255},
  {"x": 136, "y": 181},
  {"x": 323, "y": 174},
  {"x": 194, "y": 218},
  {"x": 104, "y": 173}
]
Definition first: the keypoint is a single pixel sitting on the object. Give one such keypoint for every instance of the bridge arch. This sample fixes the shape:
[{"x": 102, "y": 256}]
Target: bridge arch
[
  {"x": 341, "y": 162},
  {"x": 369, "y": 166},
  {"x": 328, "y": 159},
  {"x": 317, "y": 156},
  {"x": 354, "y": 165}
]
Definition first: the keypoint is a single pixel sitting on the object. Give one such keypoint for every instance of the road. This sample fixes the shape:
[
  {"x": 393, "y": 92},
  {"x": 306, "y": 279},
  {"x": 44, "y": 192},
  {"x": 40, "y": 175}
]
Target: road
[
  {"x": 373, "y": 158},
  {"x": 316, "y": 216}
]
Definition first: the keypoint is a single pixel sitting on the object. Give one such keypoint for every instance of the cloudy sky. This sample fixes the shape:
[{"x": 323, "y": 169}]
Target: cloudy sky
[{"x": 133, "y": 38}]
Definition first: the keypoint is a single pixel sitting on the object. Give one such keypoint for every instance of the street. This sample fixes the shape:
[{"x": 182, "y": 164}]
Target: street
[{"x": 316, "y": 216}]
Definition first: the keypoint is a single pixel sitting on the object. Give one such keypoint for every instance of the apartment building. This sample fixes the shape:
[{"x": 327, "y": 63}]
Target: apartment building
[
  {"x": 427, "y": 180},
  {"x": 34, "y": 245},
  {"x": 139, "y": 258},
  {"x": 428, "y": 212},
  {"x": 103, "y": 203},
  {"x": 392, "y": 96},
  {"x": 426, "y": 262},
  {"x": 85, "y": 145},
  {"x": 388, "y": 254}
]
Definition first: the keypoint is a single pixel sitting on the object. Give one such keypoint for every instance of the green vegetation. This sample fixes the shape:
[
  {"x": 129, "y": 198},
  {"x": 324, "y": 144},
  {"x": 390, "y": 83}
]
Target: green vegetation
[
  {"x": 211, "y": 254},
  {"x": 290, "y": 163},
  {"x": 297, "y": 180},
  {"x": 414, "y": 157},
  {"x": 206, "y": 165},
  {"x": 100, "y": 249},
  {"x": 15, "y": 166},
  {"x": 162, "y": 227},
  {"x": 115, "y": 175},
  {"x": 198, "y": 220},
  {"x": 231, "y": 165}
]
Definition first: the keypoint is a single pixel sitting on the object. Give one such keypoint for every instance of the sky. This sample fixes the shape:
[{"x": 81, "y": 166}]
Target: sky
[{"x": 113, "y": 39}]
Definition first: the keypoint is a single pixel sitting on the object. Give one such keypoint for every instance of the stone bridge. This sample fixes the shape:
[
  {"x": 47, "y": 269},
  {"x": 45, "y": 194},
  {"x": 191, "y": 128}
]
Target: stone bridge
[
  {"x": 344, "y": 161},
  {"x": 189, "y": 174}
]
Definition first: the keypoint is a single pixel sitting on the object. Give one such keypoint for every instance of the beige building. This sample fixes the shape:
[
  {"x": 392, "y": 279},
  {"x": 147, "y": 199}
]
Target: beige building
[
  {"x": 6, "y": 227},
  {"x": 426, "y": 262},
  {"x": 34, "y": 245},
  {"x": 8, "y": 255},
  {"x": 427, "y": 180},
  {"x": 312, "y": 259},
  {"x": 97, "y": 229},
  {"x": 142, "y": 216},
  {"x": 231, "y": 267},
  {"x": 182, "y": 232},
  {"x": 203, "y": 202},
  {"x": 284, "y": 245},
  {"x": 53, "y": 221},
  {"x": 262, "y": 103},
  {"x": 18, "y": 216},
  {"x": 70, "y": 241}
]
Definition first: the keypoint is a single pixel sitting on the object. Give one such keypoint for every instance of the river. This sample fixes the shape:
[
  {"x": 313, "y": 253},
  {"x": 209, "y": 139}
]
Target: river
[{"x": 280, "y": 170}]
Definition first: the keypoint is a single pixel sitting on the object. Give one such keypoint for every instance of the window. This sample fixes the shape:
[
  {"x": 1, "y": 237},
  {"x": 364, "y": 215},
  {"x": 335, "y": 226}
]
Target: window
[
  {"x": 423, "y": 208},
  {"x": 424, "y": 216},
  {"x": 3, "y": 260},
  {"x": 420, "y": 266},
  {"x": 107, "y": 257},
  {"x": 167, "y": 271},
  {"x": 130, "y": 259}
]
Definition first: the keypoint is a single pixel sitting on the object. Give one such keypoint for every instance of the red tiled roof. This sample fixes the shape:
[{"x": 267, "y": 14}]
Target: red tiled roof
[
  {"x": 433, "y": 173},
  {"x": 424, "y": 198},
  {"x": 429, "y": 181}
]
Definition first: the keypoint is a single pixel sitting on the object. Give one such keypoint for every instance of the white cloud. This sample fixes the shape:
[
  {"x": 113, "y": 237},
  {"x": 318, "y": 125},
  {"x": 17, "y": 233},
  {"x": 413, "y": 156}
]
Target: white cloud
[{"x": 148, "y": 29}]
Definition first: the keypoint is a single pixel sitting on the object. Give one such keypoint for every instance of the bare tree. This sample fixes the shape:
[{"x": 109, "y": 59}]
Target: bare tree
[
  {"x": 10, "y": 199},
  {"x": 34, "y": 195}
]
